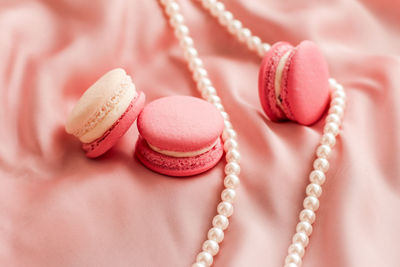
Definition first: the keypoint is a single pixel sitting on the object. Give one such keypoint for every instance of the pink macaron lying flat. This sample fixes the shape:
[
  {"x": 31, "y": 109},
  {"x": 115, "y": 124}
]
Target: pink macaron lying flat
[
  {"x": 105, "y": 112},
  {"x": 293, "y": 83},
  {"x": 179, "y": 136}
]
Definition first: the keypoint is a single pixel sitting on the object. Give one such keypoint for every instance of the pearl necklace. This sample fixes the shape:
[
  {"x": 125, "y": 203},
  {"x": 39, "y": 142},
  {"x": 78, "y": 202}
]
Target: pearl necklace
[{"x": 317, "y": 177}]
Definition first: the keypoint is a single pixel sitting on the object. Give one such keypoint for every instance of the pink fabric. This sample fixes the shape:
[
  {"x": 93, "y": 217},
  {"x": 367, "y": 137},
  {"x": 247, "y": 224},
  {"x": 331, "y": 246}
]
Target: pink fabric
[{"x": 58, "y": 208}]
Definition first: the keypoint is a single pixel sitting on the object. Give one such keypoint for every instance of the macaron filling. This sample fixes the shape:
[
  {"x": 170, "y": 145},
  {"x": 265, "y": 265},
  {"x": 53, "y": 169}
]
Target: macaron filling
[
  {"x": 278, "y": 78},
  {"x": 181, "y": 154}
]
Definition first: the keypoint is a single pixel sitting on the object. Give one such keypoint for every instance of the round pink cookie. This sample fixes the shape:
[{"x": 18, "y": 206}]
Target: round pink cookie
[
  {"x": 180, "y": 135},
  {"x": 117, "y": 130},
  {"x": 293, "y": 83}
]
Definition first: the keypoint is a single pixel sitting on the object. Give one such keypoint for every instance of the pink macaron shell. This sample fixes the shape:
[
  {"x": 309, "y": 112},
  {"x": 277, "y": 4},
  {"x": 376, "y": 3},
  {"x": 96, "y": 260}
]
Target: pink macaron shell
[
  {"x": 173, "y": 166},
  {"x": 180, "y": 123},
  {"x": 266, "y": 81},
  {"x": 117, "y": 130},
  {"x": 305, "y": 88}
]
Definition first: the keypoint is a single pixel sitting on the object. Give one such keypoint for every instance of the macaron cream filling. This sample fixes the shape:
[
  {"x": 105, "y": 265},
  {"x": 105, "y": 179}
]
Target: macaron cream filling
[
  {"x": 278, "y": 78},
  {"x": 179, "y": 154}
]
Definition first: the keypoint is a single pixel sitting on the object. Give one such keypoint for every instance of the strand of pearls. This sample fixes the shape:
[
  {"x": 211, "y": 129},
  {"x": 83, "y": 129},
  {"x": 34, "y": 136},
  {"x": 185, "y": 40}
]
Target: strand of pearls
[
  {"x": 220, "y": 222},
  {"x": 332, "y": 125}
]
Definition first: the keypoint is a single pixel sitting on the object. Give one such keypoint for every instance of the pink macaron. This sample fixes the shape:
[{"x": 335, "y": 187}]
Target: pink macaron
[
  {"x": 105, "y": 112},
  {"x": 293, "y": 83},
  {"x": 179, "y": 136}
]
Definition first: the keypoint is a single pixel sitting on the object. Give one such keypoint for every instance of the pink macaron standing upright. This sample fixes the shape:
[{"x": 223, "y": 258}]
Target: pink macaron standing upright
[
  {"x": 179, "y": 136},
  {"x": 105, "y": 112},
  {"x": 293, "y": 83}
]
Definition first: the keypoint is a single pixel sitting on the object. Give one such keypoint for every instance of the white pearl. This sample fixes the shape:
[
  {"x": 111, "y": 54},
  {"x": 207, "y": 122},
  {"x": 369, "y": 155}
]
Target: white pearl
[
  {"x": 195, "y": 63},
  {"x": 233, "y": 155},
  {"x": 213, "y": 99},
  {"x": 263, "y": 49},
  {"x": 191, "y": 53},
  {"x": 321, "y": 164},
  {"x": 339, "y": 87},
  {"x": 332, "y": 128},
  {"x": 311, "y": 203},
  {"x": 216, "y": 234},
  {"x": 230, "y": 144},
  {"x": 199, "y": 264},
  {"x": 172, "y": 8},
  {"x": 296, "y": 248},
  {"x": 205, "y": 257},
  {"x": 208, "y": 91},
  {"x": 234, "y": 26},
  {"x": 211, "y": 247},
  {"x": 317, "y": 177},
  {"x": 220, "y": 221},
  {"x": 244, "y": 34},
  {"x": 229, "y": 134},
  {"x": 314, "y": 190},
  {"x": 338, "y": 110},
  {"x": 199, "y": 73},
  {"x": 225, "y": 18},
  {"x": 307, "y": 215},
  {"x": 186, "y": 42},
  {"x": 217, "y": 8},
  {"x": 231, "y": 181},
  {"x": 293, "y": 258},
  {"x": 225, "y": 208},
  {"x": 305, "y": 227},
  {"x": 176, "y": 20},
  {"x": 207, "y": 3},
  {"x": 219, "y": 106},
  {"x": 328, "y": 139},
  {"x": 254, "y": 42},
  {"x": 165, "y": 2},
  {"x": 323, "y": 151},
  {"x": 181, "y": 31},
  {"x": 301, "y": 238},
  {"x": 227, "y": 124},
  {"x": 203, "y": 83},
  {"x": 232, "y": 168},
  {"x": 225, "y": 115},
  {"x": 338, "y": 102},
  {"x": 228, "y": 195},
  {"x": 291, "y": 265},
  {"x": 333, "y": 118},
  {"x": 339, "y": 94},
  {"x": 332, "y": 82}
]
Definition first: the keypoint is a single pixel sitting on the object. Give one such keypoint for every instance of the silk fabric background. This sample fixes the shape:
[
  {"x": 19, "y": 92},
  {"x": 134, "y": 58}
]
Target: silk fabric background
[{"x": 58, "y": 208}]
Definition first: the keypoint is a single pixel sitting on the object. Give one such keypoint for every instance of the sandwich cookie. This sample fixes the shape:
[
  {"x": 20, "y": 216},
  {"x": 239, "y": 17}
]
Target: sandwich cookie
[
  {"x": 293, "y": 83},
  {"x": 179, "y": 136},
  {"x": 105, "y": 112}
]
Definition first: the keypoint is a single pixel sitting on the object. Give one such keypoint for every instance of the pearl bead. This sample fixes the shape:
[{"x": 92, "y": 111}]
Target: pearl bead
[
  {"x": 181, "y": 31},
  {"x": 199, "y": 73},
  {"x": 305, "y": 227},
  {"x": 332, "y": 82},
  {"x": 296, "y": 248},
  {"x": 203, "y": 83},
  {"x": 307, "y": 215},
  {"x": 317, "y": 177},
  {"x": 233, "y": 155},
  {"x": 332, "y": 128},
  {"x": 199, "y": 264},
  {"x": 228, "y": 195},
  {"x": 328, "y": 139},
  {"x": 333, "y": 118},
  {"x": 314, "y": 190},
  {"x": 216, "y": 234},
  {"x": 230, "y": 144},
  {"x": 191, "y": 53},
  {"x": 219, "y": 106},
  {"x": 227, "y": 124},
  {"x": 339, "y": 94},
  {"x": 339, "y": 87},
  {"x": 172, "y": 8},
  {"x": 254, "y": 42},
  {"x": 291, "y": 265},
  {"x": 225, "y": 115},
  {"x": 235, "y": 26},
  {"x": 232, "y": 168},
  {"x": 301, "y": 238},
  {"x": 207, "y": 3},
  {"x": 338, "y": 110},
  {"x": 213, "y": 99},
  {"x": 225, "y": 18},
  {"x": 211, "y": 247},
  {"x": 338, "y": 102},
  {"x": 208, "y": 91},
  {"x": 195, "y": 63},
  {"x": 205, "y": 257},
  {"x": 311, "y": 203},
  {"x": 220, "y": 221},
  {"x": 176, "y": 20},
  {"x": 263, "y": 49},
  {"x": 165, "y": 2},
  {"x": 225, "y": 208},
  {"x": 186, "y": 42},
  {"x": 244, "y": 34},
  {"x": 321, "y": 164},
  {"x": 217, "y": 8},
  {"x": 293, "y": 258},
  {"x": 231, "y": 181},
  {"x": 323, "y": 151},
  {"x": 229, "y": 134}
]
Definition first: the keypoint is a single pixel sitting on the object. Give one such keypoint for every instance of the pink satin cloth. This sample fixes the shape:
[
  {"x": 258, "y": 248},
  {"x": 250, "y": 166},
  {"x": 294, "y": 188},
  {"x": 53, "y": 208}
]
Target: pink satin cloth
[{"x": 60, "y": 209}]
